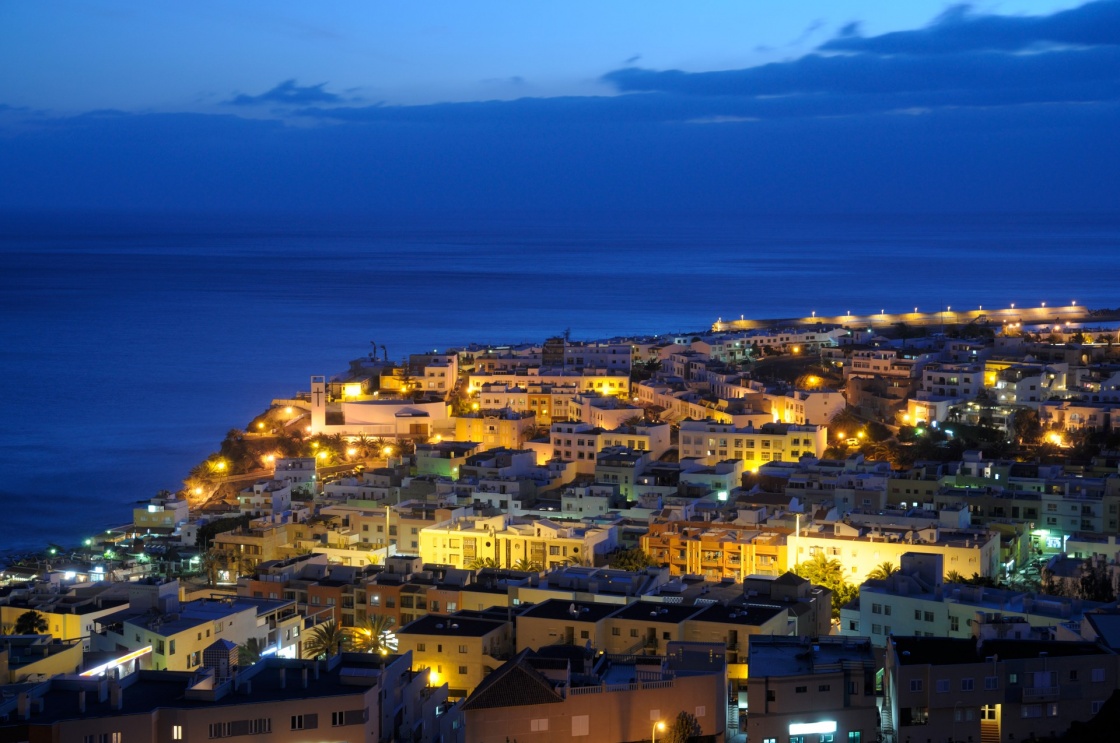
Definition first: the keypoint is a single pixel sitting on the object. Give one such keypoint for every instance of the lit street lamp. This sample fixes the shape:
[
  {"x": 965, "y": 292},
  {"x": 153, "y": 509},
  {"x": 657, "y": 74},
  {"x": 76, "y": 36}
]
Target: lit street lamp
[{"x": 659, "y": 725}]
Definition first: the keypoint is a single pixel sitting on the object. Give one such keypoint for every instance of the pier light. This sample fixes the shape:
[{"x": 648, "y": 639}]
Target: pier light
[
  {"x": 814, "y": 313},
  {"x": 1073, "y": 303},
  {"x": 1043, "y": 304},
  {"x": 915, "y": 310},
  {"x": 1012, "y": 305}
]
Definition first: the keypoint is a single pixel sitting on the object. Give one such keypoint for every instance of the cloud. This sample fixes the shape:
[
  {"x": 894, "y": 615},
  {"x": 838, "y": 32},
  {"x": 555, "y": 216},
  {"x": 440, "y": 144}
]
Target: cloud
[
  {"x": 959, "y": 29},
  {"x": 961, "y": 59},
  {"x": 290, "y": 94}
]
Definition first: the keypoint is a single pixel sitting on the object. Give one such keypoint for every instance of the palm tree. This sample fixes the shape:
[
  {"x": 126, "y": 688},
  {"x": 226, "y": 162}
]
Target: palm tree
[
  {"x": 527, "y": 565},
  {"x": 882, "y": 571},
  {"x": 374, "y": 635},
  {"x": 325, "y": 639},
  {"x": 478, "y": 563},
  {"x": 31, "y": 623}
]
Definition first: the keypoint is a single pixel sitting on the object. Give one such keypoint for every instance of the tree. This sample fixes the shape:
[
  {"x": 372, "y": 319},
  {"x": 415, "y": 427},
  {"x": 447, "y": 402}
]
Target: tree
[
  {"x": 829, "y": 573},
  {"x": 250, "y": 652},
  {"x": 821, "y": 570},
  {"x": 478, "y": 563},
  {"x": 1096, "y": 582},
  {"x": 683, "y": 729},
  {"x": 324, "y": 640},
  {"x": 374, "y": 636},
  {"x": 633, "y": 560},
  {"x": 882, "y": 571},
  {"x": 527, "y": 565},
  {"x": 31, "y": 623}
]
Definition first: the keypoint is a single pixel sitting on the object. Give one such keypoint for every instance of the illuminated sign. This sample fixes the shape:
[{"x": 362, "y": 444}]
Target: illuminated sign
[
  {"x": 119, "y": 661},
  {"x": 811, "y": 728}
]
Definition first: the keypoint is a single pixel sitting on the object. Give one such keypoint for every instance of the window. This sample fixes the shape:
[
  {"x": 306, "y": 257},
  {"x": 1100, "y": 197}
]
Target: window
[
  {"x": 854, "y": 736},
  {"x": 928, "y": 616},
  {"x": 1095, "y": 707},
  {"x": 876, "y": 608},
  {"x": 824, "y": 687},
  {"x": 581, "y": 725},
  {"x": 462, "y": 648},
  {"x": 887, "y": 609},
  {"x": 633, "y": 633},
  {"x": 1031, "y": 710},
  {"x": 421, "y": 647},
  {"x": 801, "y": 689},
  {"x": 462, "y": 670},
  {"x": 967, "y": 684},
  {"x": 220, "y": 730},
  {"x": 615, "y": 631},
  {"x": 539, "y": 725},
  {"x": 876, "y": 629},
  {"x": 917, "y": 615},
  {"x": 915, "y": 684},
  {"x": 297, "y": 722},
  {"x": 176, "y": 732},
  {"x": 1097, "y": 675},
  {"x": 954, "y": 624},
  {"x": 797, "y": 739},
  {"x": 942, "y": 686},
  {"x": 991, "y": 683},
  {"x": 338, "y": 719}
]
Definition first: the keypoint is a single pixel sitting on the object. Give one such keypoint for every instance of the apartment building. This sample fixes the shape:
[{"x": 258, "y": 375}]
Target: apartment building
[
  {"x": 179, "y": 633},
  {"x": 161, "y": 515},
  {"x": 717, "y": 550},
  {"x": 496, "y": 428},
  {"x": 550, "y": 402},
  {"x": 458, "y": 650},
  {"x": 587, "y": 380},
  {"x": 507, "y": 540},
  {"x": 808, "y": 689},
  {"x": 1005, "y": 690},
  {"x": 356, "y": 698},
  {"x": 860, "y": 548},
  {"x": 918, "y": 601},
  {"x": 543, "y": 696},
  {"x": 770, "y": 442}
]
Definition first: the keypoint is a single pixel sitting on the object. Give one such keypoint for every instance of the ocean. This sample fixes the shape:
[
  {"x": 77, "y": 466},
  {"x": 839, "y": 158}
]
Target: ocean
[{"x": 132, "y": 343}]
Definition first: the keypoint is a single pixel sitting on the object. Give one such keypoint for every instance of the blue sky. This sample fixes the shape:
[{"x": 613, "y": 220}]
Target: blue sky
[{"x": 757, "y": 104}]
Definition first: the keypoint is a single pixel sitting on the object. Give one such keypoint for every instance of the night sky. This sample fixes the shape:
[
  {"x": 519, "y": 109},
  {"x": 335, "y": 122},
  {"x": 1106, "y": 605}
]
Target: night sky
[{"x": 761, "y": 106}]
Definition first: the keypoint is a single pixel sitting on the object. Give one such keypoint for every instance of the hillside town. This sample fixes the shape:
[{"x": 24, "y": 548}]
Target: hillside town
[{"x": 842, "y": 529}]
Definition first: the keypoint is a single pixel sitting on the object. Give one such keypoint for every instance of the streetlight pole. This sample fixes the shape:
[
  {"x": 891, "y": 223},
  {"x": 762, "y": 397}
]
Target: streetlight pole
[{"x": 659, "y": 725}]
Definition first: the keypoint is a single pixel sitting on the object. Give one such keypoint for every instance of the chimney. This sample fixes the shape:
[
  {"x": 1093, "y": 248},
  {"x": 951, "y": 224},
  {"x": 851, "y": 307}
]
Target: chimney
[
  {"x": 283, "y": 678},
  {"x": 82, "y": 702}
]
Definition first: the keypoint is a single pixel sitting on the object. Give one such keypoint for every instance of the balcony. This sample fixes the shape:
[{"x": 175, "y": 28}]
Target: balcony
[{"x": 1040, "y": 693}]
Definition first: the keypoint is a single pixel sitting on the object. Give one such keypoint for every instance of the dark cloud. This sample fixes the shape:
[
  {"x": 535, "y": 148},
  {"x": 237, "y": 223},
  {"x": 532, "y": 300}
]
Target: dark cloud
[
  {"x": 962, "y": 59},
  {"x": 816, "y": 73},
  {"x": 288, "y": 93},
  {"x": 958, "y": 29}
]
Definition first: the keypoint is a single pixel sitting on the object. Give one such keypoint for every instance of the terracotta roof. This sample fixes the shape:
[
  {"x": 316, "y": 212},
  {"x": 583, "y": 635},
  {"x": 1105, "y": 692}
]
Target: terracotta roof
[{"x": 515, "y": 684}]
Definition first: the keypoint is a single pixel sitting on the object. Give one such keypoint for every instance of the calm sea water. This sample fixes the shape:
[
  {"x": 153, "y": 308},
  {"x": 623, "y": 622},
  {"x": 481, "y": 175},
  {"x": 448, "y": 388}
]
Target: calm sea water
[{"x": 131, "y": 344}]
